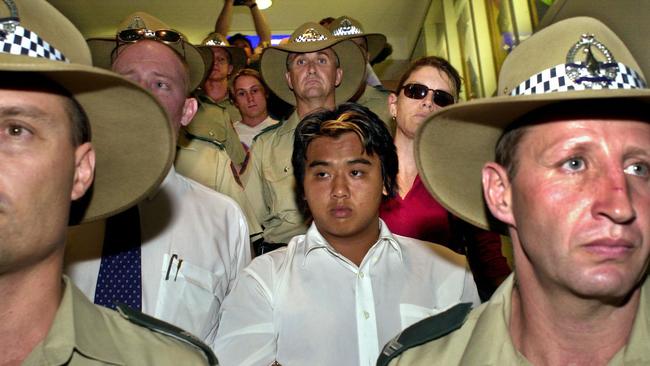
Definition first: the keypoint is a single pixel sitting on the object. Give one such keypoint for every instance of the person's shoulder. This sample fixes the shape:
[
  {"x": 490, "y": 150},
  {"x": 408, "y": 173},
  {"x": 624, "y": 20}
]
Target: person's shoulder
[
  {"x": 421, "y": 342},
  {"x": 266, "y": 132},
  {"x": 140, "y": 337}
]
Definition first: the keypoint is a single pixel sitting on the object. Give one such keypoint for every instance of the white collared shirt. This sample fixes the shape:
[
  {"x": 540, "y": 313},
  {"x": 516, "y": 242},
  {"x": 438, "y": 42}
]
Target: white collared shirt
[
  {"x": 308, "y": 305},
  {"x": 205, "y": 229}
]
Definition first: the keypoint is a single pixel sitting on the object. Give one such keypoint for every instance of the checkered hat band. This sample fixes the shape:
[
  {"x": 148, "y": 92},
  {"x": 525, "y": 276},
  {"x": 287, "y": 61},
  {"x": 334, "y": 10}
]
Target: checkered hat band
[
  {"x": 555, "y": 79},
  {"x": 27, "y": 43},
  {"x": 347, "y": 31}
]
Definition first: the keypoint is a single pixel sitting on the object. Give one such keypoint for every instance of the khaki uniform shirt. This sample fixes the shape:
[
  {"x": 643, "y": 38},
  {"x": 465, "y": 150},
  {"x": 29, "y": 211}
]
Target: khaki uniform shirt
[
  {"x": 213, "y": 122},
  {"x": 376, "y": 99},
  {"x": 208, "y": 163},
  {"x": 270, "y": 185},
  {"x": 85, "y": 334},
  {"x": 484, "y": 338}
]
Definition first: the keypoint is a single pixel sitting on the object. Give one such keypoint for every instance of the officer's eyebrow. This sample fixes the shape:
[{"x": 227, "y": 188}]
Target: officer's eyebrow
[{"x": 31, "y": 112}]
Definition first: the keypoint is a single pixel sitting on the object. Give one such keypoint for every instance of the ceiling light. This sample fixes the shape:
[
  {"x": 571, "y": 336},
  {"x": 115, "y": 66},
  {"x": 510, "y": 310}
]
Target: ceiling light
[{"x": 264, "y": 4}]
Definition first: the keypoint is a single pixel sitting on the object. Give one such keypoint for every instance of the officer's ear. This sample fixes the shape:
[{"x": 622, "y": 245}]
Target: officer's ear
[
  {"x": 84, "y": 170},
  {"x": 190, "y": 107},
  {"x": 497, "y": 191}
]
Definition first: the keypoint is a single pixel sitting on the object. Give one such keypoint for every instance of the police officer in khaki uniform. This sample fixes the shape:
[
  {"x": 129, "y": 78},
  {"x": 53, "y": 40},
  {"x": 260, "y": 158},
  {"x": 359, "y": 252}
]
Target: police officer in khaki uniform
[
  {"x": 374, "y": 97},
  {"x": 201, "y": 155},
  {"x": 313, "y": 70},
  {"x": 51, "y": 102},
  {"x": 563, "y": 154},
  {"x": 212, "y": 126}
]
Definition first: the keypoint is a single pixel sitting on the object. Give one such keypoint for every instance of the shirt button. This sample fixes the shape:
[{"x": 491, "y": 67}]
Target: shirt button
[
  {"x": 361, "y": 275},
  {"x": 374, "y": 260},
  {"x": 366, "y": 315}
]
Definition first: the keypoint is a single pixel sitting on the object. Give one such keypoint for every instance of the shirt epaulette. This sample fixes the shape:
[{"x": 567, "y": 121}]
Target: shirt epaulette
[
  {"x": 159, "y": 326},
  {"x": 213, "y": 141},
  {"x": 381, "y": 88},
  {"x": 269, "y": 128},
  {"x": 425, "y": 330}
]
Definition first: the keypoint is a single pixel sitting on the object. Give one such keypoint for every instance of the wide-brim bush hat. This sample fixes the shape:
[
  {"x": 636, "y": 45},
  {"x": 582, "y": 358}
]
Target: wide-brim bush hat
[
  {"x": 573, "y": 60},
  {"x": 237, "y": 54},
  {"x": 131, "y": 134},
  {"x": 313, "y": 37},
  {"x": 348, "y": 27},
  {"x": 102, "y": 48}
]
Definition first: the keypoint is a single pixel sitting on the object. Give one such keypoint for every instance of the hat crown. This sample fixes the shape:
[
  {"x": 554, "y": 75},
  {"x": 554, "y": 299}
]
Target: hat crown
[
  {"x": 215, "y": 39},
  {"x": 346, "y": 26},
  {"x": 142, "y": 20},
  {"x": 310, "y": 32},
  {"x": 574, "y": 54},
  {"x": 33, "y": 28}
]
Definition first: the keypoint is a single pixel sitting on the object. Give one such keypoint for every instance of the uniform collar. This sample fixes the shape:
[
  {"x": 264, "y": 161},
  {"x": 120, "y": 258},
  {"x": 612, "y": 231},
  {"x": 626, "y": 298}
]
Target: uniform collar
[
  {"x": 203, "y": 97},
  {"x": 494, "y": 323},
  {"x": 290, "y": 124},
  {"x": 314, "y": 242},
  {"x": 635, "y": 351},
  {"x": 79, "y": 326}
]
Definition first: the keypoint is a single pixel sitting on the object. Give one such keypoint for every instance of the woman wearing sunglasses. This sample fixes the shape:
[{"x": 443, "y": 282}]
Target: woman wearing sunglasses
[{"x": 431, "y": 83}]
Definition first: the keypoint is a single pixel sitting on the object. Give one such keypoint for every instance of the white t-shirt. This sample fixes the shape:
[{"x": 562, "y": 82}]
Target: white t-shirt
[{"x": 247, "y": 133}]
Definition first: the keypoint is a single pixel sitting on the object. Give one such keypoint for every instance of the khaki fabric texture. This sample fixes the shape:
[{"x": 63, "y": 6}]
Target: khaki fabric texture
[
  {"x": 209, "y": 165},
  {"x": 86, "y": 334},
  {"x": 213, "y": 122},
  {"x": 376, "y": 100},
  {"x": 484, "y": 339},
  {"x": 270, "y": 185}
]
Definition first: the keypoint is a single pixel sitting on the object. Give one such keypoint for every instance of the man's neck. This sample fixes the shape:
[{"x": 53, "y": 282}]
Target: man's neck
[
  {"x": 355, "y": 247},
  {"x": 216, "y": 89},
  {"x": 560, "y": 328},
  {"x": 306, "y": 106},
  {"x": 28, "y": 305}
]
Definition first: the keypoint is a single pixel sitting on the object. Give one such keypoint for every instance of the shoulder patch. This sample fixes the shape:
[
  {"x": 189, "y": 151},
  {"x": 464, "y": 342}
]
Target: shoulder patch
[
  {"x": 159, "y": 326},
  {"x": 269, "y": 128},
  {"x": 425, "y": 330}
]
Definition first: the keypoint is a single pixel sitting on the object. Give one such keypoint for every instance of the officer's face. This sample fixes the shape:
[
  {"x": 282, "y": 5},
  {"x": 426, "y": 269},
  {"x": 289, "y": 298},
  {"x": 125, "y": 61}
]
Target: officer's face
[
  {"x": 343, "y": 188},
  {"x": 313, "y": 75},
  {"x": 579, "y": 206},
  {"x": 221, "y": 67},
  {"x": 40, "y": 173},
  {"x": 160, "y": 70}
]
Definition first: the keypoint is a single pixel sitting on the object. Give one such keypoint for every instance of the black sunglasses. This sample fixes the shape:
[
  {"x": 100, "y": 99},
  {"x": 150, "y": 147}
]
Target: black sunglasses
[
  {"x": 138, "y": 34},
  {"x": 419, "y": 91}
]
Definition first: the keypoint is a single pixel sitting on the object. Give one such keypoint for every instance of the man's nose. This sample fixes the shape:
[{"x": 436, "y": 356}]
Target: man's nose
[
  {"x": 340, "y": 187},
  {"x": 614, "y": 198}
]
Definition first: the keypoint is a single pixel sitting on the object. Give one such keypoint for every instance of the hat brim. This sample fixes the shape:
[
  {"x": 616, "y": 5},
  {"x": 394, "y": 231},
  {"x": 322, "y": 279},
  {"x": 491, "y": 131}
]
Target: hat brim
[
  {"x": 102, "y": 48},
  {"x": 128, "y": 166},
  {"x": 452, "y": 146},
  {"x": 273, "y": 67},
  {"x": 376, "y": 43}
]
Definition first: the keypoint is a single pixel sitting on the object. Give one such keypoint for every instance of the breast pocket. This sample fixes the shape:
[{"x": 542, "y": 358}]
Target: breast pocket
[
  {"x": 281, "y": 187},
  {"x": 187, "y": 297}
]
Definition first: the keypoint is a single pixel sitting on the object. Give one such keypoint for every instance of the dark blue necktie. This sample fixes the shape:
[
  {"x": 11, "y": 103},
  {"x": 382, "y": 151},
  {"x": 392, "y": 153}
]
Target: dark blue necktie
[{"x": 120, "y": 274}]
